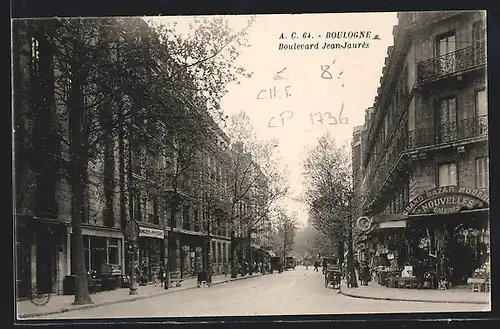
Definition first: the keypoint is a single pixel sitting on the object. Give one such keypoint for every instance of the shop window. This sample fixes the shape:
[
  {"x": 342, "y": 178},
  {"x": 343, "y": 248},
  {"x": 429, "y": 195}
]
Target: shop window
[
  {"x": 113, "y": 254},
  {"x": 97, "y": 253},
  {"x": 447, "y": 174},
  {"x": 482, "y": 172},
  {"x": 86, "y": 253}
]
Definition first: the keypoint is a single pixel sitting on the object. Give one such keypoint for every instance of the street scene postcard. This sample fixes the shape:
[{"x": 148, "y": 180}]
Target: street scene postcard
[{"x": 250, "y": 165}]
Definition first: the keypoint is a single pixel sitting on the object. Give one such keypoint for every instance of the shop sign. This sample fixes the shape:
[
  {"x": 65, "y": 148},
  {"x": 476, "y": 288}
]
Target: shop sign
[
  {"x": 151, "y": 232},
  {"x": 446, "y": 200},
  {"x": 132, "y": 231},
  {"x": 364, "y": 223}
]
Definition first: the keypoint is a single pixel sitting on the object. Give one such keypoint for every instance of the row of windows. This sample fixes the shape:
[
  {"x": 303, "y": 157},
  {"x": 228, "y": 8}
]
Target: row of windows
[
  {"x": 445, "y": 44},
  {"x": 447, "y": 173}
]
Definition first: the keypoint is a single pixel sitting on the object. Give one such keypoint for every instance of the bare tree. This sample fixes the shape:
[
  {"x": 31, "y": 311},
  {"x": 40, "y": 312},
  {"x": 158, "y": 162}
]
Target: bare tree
[
  {"x": 255, "y": 181},
  {"x": 286, "y": 227},
  {"x": 327, "y": 170}
]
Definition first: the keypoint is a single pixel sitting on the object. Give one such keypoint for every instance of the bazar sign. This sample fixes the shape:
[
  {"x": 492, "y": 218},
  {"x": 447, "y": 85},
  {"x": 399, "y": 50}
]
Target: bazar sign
[
  {"x": 446, "y": 200},
  {"x": 151, "y": 232}
]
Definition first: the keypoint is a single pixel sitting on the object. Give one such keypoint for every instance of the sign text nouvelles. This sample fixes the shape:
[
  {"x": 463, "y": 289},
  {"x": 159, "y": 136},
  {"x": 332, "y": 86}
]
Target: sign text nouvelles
[{"x": 447, "y": 199}]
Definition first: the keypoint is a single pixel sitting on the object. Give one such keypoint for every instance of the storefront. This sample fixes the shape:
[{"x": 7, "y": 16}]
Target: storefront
[
  {"x": 40, "y": 255},
  {"x": 100, "y": 246},
  {"x": 151, "y": 251},
  {"x": 441, "y": 243}
]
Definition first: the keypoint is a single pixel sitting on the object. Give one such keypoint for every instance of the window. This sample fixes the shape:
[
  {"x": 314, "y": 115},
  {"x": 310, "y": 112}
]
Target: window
[
  {"x": 150, "y": 210},
  {"x": 113, "y": 254},
  {"x": 481, "y": 102},
  {"x": 447, "y": 174},
  {"x": 478, "y": 31},
  {"x": 482, "y": 172},
  {"x": 481, "y": 109},
  {"x": 446, "y": 44},
  {"x": 446, "y": 119},
  {"x": 445, "y": 49},
  {"x": 213, "y": 252},
  {"x": 224, "y": 251}
]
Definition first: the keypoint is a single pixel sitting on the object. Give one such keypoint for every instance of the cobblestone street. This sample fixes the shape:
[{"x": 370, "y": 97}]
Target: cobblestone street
[{"x": 293, "y": 292}]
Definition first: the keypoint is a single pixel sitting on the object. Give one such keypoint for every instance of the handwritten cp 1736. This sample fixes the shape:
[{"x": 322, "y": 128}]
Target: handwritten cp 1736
[{"x": 315, "y": 119}]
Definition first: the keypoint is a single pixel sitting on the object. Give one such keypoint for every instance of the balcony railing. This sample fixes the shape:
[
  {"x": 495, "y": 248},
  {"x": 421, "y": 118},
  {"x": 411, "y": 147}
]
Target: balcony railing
[
  {"x": 424, "y": 137},
  {"x": 453, "y": 62},
  {"x": 448, "y": 132}
]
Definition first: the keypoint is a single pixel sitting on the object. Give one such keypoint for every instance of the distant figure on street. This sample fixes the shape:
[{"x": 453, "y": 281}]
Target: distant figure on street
[{"x": 316, "y": 266}]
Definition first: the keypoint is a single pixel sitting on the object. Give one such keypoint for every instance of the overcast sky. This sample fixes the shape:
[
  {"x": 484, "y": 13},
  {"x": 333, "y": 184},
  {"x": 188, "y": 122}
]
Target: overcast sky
[{"x": 355, "y": 77}]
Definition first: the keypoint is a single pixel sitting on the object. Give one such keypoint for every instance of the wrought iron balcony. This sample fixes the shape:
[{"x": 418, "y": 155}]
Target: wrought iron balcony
[
  {"x": 448, "y": 132},
  {"x": 441, "y": 134},
  {"x": 453, "y": 62}
]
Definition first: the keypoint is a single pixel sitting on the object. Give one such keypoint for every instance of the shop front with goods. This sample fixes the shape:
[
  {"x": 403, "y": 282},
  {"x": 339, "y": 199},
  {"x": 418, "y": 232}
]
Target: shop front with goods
[
  {"x": 151, "y": 253},
  {"x": 443, "y": 242}
]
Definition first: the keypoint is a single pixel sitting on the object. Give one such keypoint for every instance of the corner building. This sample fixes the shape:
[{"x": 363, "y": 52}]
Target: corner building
[{"x": 425, "y": 152}]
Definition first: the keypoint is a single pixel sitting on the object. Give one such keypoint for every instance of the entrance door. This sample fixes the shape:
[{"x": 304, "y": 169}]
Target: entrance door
[
  {"x": 23, "y": 273},
  {"x": 45, "y": 261}
]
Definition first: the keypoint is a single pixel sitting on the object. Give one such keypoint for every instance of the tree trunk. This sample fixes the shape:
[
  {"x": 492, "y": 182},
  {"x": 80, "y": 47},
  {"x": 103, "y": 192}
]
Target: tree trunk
[
  {"x": 249, "y": 254},
  {"x": 232, "y": 248},
  {"x": 45, "y": 140},
  {"x": 77, "y": 172},
  {"x": 109, "y": 165},
  {"x": 353, "y": 282},
  {"x": 171, "y": 261},
  {"x": 82, "y": 295}
]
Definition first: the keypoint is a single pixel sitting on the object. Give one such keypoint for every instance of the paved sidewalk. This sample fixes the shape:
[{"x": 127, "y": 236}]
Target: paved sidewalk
[
  {"x": 61, "y": 304},
  {"x": 378, "y": 292}
]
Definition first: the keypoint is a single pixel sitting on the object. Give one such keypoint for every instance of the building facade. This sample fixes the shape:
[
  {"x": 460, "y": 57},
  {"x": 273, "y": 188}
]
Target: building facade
[
  {"x": 127, "y": 181},
  {"x": 425, "y": 149}
]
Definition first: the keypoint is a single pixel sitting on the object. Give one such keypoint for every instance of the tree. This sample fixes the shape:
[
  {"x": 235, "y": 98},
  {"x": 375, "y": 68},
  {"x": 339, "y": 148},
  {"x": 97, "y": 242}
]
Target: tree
[
  {"x": 114, "y": 80},
  {"x": 286, "y": 227},
  {"x": 329, "y": 193},
  {"x": 255, "y": 181}
]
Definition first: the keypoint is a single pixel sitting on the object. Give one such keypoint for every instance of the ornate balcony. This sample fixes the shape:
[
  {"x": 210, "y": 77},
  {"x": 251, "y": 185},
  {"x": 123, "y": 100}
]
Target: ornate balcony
[
  {"x": 454, "y": 62},
  {"x": 424, "y": 137},
  {"x": 448, "y": 132}
]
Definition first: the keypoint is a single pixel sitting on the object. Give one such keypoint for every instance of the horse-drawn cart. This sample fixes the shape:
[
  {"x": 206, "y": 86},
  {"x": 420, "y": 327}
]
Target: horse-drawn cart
[{"x": 333, "y": 275}]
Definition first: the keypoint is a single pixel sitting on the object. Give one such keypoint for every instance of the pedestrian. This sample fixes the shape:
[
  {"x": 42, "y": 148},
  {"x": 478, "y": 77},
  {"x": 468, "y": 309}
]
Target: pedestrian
[{"x": 161, "y": 274}]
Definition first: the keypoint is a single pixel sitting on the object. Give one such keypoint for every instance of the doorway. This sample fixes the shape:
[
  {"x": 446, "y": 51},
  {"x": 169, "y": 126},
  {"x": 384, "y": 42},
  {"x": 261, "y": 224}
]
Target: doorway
[{"x": 45, "y": 262}]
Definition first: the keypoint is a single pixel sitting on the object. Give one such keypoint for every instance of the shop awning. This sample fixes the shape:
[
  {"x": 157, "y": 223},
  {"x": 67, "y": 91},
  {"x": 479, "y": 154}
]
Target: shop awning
[{"x": 393, "y": 224}]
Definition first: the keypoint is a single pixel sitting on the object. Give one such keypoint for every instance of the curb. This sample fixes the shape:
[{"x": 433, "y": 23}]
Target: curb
[
  {"x": 129, "y": 299},
  {"x": 413, "y": 300}
]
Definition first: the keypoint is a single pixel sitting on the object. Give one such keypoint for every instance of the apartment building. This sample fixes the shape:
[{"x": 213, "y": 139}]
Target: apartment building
[{"x": 425, "y": 148}]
